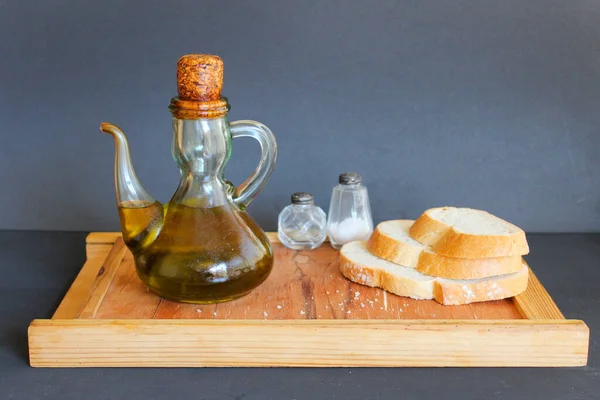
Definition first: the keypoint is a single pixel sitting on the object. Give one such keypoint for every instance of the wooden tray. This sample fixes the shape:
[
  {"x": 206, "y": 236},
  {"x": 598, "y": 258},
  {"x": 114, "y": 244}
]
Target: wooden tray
[{"x": 305, "y": 314}]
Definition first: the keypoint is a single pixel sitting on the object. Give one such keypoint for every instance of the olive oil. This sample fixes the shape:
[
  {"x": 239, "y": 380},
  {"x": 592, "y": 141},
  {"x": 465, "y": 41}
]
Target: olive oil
[
  {"x": 140, "y": 223},
  {"x": 196, "y": 254}
]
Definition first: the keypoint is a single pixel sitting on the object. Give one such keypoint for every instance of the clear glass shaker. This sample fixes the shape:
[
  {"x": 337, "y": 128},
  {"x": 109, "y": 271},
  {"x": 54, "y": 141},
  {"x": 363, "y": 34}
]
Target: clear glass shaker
[
  {"x": 349, "y": 216},
  {"x": 302, "y": 225}
]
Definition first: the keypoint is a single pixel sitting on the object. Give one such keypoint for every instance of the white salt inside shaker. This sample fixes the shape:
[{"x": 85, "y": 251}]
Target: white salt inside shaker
[{"x": 349, "y": 216}]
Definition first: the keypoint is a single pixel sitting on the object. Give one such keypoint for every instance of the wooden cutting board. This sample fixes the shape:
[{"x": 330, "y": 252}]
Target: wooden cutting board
[{"x": 305, "y": 314}]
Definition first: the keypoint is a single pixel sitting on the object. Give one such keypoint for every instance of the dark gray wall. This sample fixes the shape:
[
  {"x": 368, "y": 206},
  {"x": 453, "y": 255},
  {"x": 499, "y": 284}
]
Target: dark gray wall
[{"x": 494, "y": 105}]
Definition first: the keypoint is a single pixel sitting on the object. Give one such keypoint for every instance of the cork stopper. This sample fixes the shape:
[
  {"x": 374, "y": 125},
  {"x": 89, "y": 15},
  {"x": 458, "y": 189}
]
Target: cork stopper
[
  {"x": 199, "y": 85},
  {"x": 199, "y": 77}
]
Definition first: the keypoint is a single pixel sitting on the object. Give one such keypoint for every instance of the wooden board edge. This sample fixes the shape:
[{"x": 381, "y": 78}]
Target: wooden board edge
[
  {"x": 535, "y": 303},
  {"x": 308, "y": 343},
  {"x": 80, "y": 288},
  {"x": 111, "y": 237},
  {"x": 274, "y": 238},
  {"x": 102, "y": 237},
  {"x": 103, "y": 280}
]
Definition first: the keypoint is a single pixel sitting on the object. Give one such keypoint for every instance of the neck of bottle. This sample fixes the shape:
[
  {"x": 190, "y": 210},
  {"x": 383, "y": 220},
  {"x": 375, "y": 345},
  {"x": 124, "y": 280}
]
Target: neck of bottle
[{"x": 201, "y": 148}]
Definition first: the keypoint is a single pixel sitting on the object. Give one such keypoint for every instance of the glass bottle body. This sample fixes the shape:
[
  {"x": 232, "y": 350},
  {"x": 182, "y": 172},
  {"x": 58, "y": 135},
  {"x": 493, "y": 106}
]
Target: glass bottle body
[
  {"x": 349, "y": 216},
  {"x": 302, "y": 226},
  {"x": 200, "y": 247},
  {"x": 203, "y": 254}
]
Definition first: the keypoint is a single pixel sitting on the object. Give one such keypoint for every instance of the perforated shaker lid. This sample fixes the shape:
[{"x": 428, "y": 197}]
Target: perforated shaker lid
[
  {"x": 302, "y": 198},
  {"x": 350, "y": 178}
]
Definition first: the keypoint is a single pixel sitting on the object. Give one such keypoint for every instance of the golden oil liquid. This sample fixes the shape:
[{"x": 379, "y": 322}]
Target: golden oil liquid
[{"x": 196, "y": 254}]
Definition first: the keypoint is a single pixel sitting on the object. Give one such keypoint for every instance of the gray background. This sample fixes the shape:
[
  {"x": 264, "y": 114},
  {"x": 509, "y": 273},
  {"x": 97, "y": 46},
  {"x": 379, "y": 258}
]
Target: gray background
[{"x": 494, "y": 105}]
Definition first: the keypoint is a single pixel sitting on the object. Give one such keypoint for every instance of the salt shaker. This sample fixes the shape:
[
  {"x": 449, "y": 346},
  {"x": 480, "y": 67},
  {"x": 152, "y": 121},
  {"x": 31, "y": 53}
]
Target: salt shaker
[
  {"x": 302, "y": 225},
  {"x": 349, "y": 215}
]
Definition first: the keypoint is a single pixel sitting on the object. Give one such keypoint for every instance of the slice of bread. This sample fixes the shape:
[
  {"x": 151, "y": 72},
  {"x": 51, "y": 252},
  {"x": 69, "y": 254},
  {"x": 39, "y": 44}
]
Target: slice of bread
[
  {"x": 360, "y": 266},
  {"x": 391, "y": 241},
  {"x": 468, "y": 233}
]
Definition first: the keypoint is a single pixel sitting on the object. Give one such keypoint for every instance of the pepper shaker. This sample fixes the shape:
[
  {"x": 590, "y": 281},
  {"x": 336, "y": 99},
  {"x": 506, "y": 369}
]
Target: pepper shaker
[
  {"x": 349, "y": 215},
  {"x": 302, "y": 225}
]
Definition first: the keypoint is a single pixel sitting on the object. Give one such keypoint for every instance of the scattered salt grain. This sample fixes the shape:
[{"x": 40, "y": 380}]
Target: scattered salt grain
[
  {"x": 279, "y": 307},
  {"x": 302, "y": 312},
  {"x": 215, "y": 313},
  {"x": 265, "y": 313},
  {"x": 348, "y": 312},
  {"x": 199, "y": 310}
]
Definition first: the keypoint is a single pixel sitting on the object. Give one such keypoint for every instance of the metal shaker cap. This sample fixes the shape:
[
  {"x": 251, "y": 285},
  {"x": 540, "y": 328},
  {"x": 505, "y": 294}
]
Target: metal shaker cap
[
  {"x": 350, "y": 178},
  {"x": 302, "y": 198}
]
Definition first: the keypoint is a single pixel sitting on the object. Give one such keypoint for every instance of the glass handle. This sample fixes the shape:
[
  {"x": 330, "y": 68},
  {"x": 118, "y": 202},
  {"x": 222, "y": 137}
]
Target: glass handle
[{"x": 248, "y": 190}]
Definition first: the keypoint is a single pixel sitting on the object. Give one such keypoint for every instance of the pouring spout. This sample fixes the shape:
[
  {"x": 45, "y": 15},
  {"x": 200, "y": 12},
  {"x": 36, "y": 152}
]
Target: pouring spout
[
  {"x": 140, "y": 214},
  {"x": 128, "y": 187}
]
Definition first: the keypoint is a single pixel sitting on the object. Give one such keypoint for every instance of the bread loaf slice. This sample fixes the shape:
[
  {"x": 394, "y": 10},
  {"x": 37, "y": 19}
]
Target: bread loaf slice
[
  {"x": 391, "y": 241},
  {"x": 360, "y": 266},
  {"x": 468, "y": 233}
]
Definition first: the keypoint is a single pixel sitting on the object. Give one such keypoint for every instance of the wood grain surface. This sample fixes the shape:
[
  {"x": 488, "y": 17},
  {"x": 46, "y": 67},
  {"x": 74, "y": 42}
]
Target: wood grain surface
[
  {"x": 303, "y": 285},
  {"x": 308, "y": 343},
  {"x": 71, "y": 305},
  {"x": 535, "y": 302},
  {"x": 305, "y": 314}
]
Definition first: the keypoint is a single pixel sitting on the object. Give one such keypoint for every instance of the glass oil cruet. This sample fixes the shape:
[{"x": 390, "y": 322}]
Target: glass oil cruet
[{"x": 200, "y": 247}]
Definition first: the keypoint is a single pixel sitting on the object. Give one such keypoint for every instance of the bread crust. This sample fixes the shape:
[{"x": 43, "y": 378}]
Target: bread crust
[
  {"x": 445, "y": 240},
  {"x": 444, "y": 291},
  {"x": 430, "y": 263},
  {"x": 365, "y": 275},
  {"x": 449, "y": 292}
]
